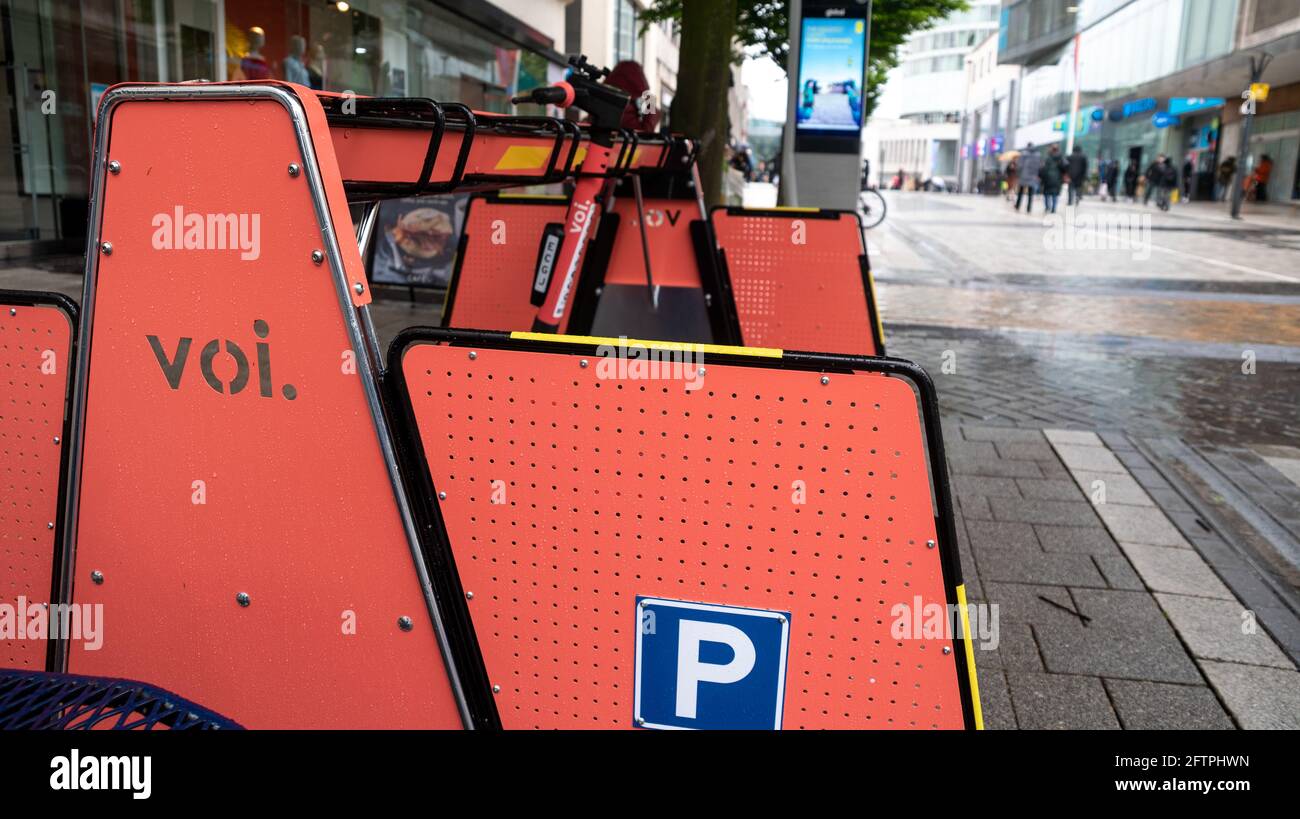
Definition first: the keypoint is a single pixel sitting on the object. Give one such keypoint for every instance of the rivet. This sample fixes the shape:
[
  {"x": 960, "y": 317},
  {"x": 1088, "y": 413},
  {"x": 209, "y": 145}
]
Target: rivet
[
  {"x": 294, "y": 169},
  {"x": 13, "y": 311},
  {"x": 583, "y": 363},
  {"x": 114, "y": 167},
  {"x": 242, "y": 599},
  {"x": 780, "y": 618},
  {"x": 359, "y": 288},
  {"x": 106, "y": 248},
  {"x": 405, "y": 623},
  {"x": 57, "y": 439},
  {"x": 473, "y": 355},
  {"x": 97, "y": 577},
  {"x": 469, "y": 595},
  {"x": 929, "y": 544},
  {"x": 496, "y": 689},
  {"x": 442, "y": 496},
  {"x": 947, "y": 649},
  {"x": 49, "y": 525},
  {"x": 317, "y": 256},
  {"x": 702, "y": 371},
  {"x": 826, "y": 379},
  {"x": 640, "y": 720}
]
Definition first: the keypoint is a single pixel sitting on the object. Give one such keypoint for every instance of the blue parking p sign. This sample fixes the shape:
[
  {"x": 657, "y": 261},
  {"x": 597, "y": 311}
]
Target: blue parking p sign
[{"x": 700, "y": 665}]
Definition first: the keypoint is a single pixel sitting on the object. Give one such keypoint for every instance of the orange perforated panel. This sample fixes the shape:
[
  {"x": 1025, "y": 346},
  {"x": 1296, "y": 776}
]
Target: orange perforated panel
[
  {"x": 494, "y": 276},
  {"x": 569, "y": 492},
  {"x": 797, "y": 279},
  {"x": 228, "y": 446},
  {"x": 35, "y": 341}
]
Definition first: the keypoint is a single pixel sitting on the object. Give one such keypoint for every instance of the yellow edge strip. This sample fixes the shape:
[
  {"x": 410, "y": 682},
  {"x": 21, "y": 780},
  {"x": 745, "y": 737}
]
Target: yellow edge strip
[
  {"x": 875, "y": 307},
  {"x": 788, "y": 208},
  {"x": 722, "y": 349},
  {"x": 970, "y": 657}
]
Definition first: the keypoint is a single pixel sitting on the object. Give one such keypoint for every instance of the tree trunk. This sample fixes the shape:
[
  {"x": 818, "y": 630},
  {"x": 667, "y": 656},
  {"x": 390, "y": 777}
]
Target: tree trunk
[{"x": 703, "y": 78}]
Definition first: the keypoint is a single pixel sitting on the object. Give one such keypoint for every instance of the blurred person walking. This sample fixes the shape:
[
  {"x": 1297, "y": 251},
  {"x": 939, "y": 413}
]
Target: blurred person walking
[
  {"x": 1077, "y": 168},
  {"x": 1030, "y": 163},
  {"x": 1050, "y": 176}
]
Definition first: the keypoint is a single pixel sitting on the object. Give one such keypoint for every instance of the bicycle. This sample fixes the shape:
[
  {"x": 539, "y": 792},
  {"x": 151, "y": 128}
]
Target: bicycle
[{"x": 871, "y": 207}]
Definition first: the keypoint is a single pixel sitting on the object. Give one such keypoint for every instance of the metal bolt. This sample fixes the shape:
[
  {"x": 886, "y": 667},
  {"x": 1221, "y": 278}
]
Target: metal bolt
[
  {"x": 496, "y": 689},
  {"x": 242, "y": 599},
  {"x": 405, "y": 623},
  {"x": 469, "y": 595},
  {"x": 359, "y": 288},
  {"x": 929, "y": 544},
  {"x": 49, "y": 525},
  {"x": 97, "y": 577},
  {"x": 57, "y": 439},
  {"x": 583, "y": 363},
  {"x": 947, "y": 650},
  {"x": 640, "y": 720},
  {"x": 702, "y": 371},
  {"x": 442, "y": 496},
  {"x": 114, "y": 167},
  {"x": 13, "y": 311},
  {"x": 780, "y": 618},
  {"x": 826, "y": 379},
  {"x": 473, "y": 355},
  {"x": 294, "y": 169},
  {"x": 317, "y": 256},
  {"x": 106, "y": 248}
]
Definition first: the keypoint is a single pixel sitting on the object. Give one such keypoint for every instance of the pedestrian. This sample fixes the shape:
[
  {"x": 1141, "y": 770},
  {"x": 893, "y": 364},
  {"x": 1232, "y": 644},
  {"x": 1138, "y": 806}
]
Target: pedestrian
[
  {"x": 1166, "y": 180},
  {"x": 1131, "y": 176},
  {"x": 1077, "y": 168},
  {"x": 1188, "y": 170},
  {"x": 1257, "y": 182},
  {"x": 1030, "y": 162},
  {"x": 1153, "y": 175},
  {"x": 1112, "y": 179},
  {"x": 1050, "y": 177},
  {"x": 1227, "y": 171},
  {"x": 1012, "y": 180}
]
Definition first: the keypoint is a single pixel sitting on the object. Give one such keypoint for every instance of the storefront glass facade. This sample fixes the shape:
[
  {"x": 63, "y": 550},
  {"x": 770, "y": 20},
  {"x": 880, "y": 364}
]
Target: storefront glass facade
[{"x": 60, "y": 56}]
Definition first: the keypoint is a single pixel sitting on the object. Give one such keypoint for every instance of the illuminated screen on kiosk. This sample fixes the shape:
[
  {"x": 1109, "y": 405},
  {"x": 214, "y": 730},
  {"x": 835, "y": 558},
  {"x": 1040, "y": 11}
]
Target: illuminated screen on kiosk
[{"x": 831, "y": 55}]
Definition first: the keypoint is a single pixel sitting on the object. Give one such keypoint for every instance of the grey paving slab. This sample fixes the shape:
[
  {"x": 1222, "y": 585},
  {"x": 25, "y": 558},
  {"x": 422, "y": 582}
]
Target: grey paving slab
[
  {"x": 1009, "y": 434},
  {"x": 1145, "y": 706},
  {"x": 995, "y": 702},
  {"x": 1094, "y": 540},
  {"x": 996, "y": 468},
  {"x": 1023, "y": 566},
  {"x": 1089, "y": 458},
  {"x": 1001, "y": 534},
  {"x": 1043, "y": 511},
  {"x": 1017, "y": 648},
  {"x": 1140, "y": 524},
  {"x": 1111, "y": 487},
  {"x": 1213, "y": 630},
  {"x": 1049, "y": 489},
  {"x": 1174, "y": 570},
  {"x": 1069, "y": 437},
  {"x": 985, "y": 486},
  {"x": 1021, "y": 603},
  {"x": 1054, "y": 701},
  {"x": 1118, "y": 572},
  {"x": 975, "y": 507},
  {"x": 1025, "y": 451},
  {"x": 1259, "y": 698}
]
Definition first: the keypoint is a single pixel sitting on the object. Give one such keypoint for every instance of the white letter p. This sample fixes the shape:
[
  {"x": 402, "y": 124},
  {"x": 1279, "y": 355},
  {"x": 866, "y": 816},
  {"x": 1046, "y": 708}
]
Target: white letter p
[{"x": 691, "y": 672}]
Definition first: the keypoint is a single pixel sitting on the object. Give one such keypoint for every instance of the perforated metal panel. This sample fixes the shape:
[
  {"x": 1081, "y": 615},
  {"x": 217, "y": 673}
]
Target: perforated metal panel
[
  {"x": 568, "y": 494},
  {"x": 799, "y": 279},
  {"x": 35, "y": 367},
  {"x": 494, "y": 274}
]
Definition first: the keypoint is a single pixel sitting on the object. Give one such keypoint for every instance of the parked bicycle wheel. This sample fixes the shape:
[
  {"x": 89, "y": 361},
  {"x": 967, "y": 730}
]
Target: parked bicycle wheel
[{"x": 871, "y": 206}]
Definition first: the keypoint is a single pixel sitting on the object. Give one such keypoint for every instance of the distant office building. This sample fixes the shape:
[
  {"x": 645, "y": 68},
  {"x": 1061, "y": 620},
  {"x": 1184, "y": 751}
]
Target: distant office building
[{"x": 989, "y": 119}]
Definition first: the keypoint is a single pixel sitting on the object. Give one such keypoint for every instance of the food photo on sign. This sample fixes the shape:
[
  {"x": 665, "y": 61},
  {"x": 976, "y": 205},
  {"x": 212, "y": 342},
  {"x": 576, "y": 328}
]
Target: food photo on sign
[{"x": 416, "y": 245}]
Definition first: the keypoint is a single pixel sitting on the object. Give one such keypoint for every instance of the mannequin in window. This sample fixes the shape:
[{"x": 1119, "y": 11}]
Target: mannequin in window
[
  {"x": 254, "y": 64},
  {"x": 294, "y": 69}
]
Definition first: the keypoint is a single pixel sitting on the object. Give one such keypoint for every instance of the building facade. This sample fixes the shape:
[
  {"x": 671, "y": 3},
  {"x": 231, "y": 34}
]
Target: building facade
[
  {"x": 1158, "y": 76},
  {"x": 988, "y": 121},
  {"x": 917, "y": 125}
]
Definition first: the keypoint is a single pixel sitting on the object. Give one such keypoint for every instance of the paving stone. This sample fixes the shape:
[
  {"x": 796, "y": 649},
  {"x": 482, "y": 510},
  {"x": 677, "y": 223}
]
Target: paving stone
[
  {"x": 996, "y": 468},
  {"x": 1150, "y": 478},
  {"x": 1008, "y": 434},
  {"x": 1037, "y": 567},
  {"x": 995, "y": 702},
  {"x": 1118, "y": 572},
  {"x": 1043, "y": 511},
  {"x": 1212, "y": 629},
  {"x": 1068, "y": 437},
  {"x": 975, "y": 507},
  {"x": 1093, "y": 540},
  {"x": 1115, "y": 441},
  {"x": 1017, "y": 649},
  {"x": 1089, "y": 458},
  {"x": 959, "y": 450},
  {"x": 1170, "y": 501},
  {"x": 1024, "y": 451},
  {"x": 1139, "y": 524},
  {"x": 1053, "y": 701},
  {"x": 1259, "y": 698},
  {"x": 984, "y": 486},
  {"x": 1178, "y": 571},
  {"x": 1148, "y": 706},
  {"x": 1121, "y": 489},
  {"x": 1048, "y": 489},
  {"x": 1126, "y": 636},
  {"x": 1024, "y": 603},
  {"x": 1001, "y": 534}
]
